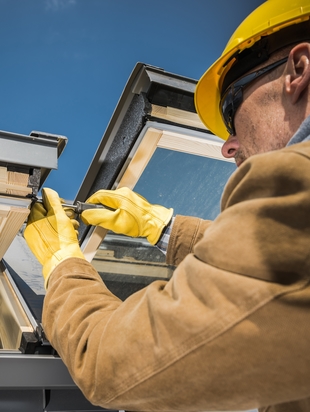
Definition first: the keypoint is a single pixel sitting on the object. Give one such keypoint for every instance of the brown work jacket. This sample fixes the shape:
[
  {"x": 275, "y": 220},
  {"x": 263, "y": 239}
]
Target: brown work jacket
[{"x": 229, "y": 331}]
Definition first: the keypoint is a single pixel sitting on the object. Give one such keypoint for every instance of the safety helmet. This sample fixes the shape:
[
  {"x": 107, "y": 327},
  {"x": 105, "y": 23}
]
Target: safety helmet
[{"x": 273, "y": 25}]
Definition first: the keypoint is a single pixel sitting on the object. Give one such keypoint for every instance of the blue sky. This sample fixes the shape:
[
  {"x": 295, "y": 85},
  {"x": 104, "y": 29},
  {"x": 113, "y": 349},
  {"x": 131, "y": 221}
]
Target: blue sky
[{"x": 64, "y": 63}]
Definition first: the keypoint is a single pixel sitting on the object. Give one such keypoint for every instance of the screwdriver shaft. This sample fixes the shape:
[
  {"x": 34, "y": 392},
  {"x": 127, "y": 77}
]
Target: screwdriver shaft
[{"x": 79, "y": 207}]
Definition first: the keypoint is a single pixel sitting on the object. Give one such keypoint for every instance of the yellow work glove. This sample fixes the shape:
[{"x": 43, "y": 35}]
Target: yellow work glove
[
  {"x": 133, "y": 215},
  {"x": 50, "y": 234}
]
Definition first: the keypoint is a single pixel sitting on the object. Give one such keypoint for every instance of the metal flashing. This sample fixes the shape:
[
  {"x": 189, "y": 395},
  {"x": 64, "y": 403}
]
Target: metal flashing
[{"x": 36, "y": 150}]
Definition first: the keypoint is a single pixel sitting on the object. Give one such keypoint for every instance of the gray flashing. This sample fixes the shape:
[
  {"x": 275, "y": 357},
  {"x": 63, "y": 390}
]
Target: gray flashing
[
  {"x": 36, "y": 150},
  {"x": 33, "y": 371}
]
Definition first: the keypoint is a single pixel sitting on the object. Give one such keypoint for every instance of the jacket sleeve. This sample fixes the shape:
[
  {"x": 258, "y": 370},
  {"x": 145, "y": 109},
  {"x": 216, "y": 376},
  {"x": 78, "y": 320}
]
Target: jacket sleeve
[
  {"x": 219, "y": 335},
  {"x": 186, "y": 232}
]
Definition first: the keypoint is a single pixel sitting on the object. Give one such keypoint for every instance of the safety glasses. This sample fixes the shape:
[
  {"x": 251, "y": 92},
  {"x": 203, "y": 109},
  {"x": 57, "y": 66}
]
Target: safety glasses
[{"x": 233, "y": 95}]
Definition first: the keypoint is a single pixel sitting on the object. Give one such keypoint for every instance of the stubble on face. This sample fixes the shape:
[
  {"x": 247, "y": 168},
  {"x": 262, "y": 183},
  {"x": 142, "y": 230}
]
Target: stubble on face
[
  {"x": 252, "y": 147},
  {"x": 256, "y": 143},
  {"x": 260, "y": 124}
]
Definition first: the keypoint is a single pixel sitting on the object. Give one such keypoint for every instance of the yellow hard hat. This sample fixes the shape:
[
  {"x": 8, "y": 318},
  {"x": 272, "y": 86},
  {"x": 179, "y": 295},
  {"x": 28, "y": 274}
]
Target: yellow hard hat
[{"x": 273, "y": 25}]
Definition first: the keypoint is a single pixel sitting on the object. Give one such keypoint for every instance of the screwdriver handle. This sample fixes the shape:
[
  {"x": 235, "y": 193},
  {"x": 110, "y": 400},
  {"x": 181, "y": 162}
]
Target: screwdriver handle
[{"x": 81, "y": 206}]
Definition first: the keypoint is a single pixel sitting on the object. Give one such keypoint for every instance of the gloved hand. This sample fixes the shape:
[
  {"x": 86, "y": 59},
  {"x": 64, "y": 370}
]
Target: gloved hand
[
  {"x": 133, "y": 215},
  {"x": 50, "y": 234}
]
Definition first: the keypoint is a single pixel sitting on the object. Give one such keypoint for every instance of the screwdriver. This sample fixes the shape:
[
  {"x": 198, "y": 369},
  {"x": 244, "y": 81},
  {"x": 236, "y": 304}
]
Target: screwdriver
[{"x": 79, "y": 207}]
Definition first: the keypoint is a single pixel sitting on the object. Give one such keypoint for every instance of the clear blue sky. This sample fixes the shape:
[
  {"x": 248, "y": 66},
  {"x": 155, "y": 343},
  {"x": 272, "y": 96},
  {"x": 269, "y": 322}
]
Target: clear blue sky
[{"x": 64, "y": 63}]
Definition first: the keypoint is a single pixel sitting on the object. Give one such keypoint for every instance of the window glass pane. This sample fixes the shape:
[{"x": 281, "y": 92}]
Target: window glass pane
[{"x": 192, "y": 185}]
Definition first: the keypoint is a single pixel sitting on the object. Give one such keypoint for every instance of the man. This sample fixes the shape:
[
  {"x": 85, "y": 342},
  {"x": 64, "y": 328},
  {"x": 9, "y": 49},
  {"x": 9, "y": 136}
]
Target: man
[{"x": 230, "y": 330}]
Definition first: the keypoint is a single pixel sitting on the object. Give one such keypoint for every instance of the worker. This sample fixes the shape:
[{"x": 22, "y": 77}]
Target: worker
[{"x": 231, "y": 329}]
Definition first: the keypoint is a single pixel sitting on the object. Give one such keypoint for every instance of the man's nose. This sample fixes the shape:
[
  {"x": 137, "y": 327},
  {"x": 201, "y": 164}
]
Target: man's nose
[{"x": 230, "y": 147}]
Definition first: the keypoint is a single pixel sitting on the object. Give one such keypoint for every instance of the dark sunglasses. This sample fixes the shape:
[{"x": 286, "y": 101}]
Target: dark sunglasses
[{"x": 233, "y": 95}]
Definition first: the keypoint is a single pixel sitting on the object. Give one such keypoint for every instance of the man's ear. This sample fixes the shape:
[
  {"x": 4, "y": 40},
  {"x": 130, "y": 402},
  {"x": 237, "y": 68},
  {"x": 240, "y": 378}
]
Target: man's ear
[{"x": 297, "y": 78}]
